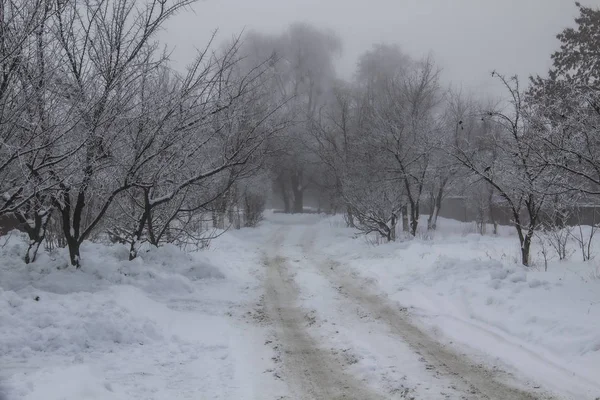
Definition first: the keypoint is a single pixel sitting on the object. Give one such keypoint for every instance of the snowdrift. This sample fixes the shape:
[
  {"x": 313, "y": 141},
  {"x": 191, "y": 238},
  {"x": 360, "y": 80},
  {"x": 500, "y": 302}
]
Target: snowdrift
[
  {"x": 468, "y": 290},
  {"x": 153, "y": 328}
]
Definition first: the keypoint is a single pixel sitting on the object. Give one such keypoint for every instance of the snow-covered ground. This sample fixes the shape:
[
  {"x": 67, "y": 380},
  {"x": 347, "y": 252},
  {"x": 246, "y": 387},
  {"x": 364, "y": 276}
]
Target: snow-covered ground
[
  {"x": 168, "y": 325},
  {"x": 470, "y": 291},
  {"x": 300, "y": 307}
]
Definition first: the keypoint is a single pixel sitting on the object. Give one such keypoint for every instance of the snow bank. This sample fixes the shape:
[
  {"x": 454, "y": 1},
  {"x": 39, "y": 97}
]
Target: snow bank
[
  {"x": 167, "y": 268},
  {"x": 59, "y": 324},
  {"x": 470, "y": 290},
  {"x": 84, "y": 383},
  {"x": 157, "y": 327}
]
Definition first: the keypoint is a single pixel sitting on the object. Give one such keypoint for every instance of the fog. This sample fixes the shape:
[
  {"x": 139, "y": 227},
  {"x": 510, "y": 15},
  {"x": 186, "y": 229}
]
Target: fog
[
  {"x": 468, "y": 38},
  {"x": 151, "y": 149}
]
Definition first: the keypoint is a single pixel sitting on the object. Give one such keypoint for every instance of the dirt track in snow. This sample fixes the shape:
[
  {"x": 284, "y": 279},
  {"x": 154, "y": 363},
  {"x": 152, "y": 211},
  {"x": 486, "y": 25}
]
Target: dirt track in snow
[
  {"x": 475, "y": 381},
  {"x": 312, "y": 373}
]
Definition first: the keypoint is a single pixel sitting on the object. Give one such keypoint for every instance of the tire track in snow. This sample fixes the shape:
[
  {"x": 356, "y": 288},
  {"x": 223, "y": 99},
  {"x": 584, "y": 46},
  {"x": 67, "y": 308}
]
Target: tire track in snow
[
  {"x": 310, "y": 371},
  {"x": 475, "y": 381}
]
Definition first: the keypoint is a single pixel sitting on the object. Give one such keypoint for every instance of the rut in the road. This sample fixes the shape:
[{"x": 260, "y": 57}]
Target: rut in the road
[
  {"x": 475, "y": 381},
  {"x": 311, "y": 372}
]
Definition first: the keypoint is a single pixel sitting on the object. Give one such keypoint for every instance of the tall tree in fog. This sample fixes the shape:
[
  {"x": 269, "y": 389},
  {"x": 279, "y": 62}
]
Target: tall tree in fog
[
  {"x": 444, "y": 175},
  {"x": 408, "y": 130},
  {"x": 376, "y": 69},
  {"x": 336, "y": 143},
  {"x": 400, "y": 100},
  {"x": 303, "y": 73}
]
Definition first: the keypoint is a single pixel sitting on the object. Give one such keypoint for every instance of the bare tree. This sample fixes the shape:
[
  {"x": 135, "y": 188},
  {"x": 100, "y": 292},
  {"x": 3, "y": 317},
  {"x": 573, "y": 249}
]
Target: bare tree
[
  {"x": 34, "y": 125},
  {"x": 205, "y": 136},
  {"x": 303, "y": 74},
  {"x": 458, "y": 120},
  {"x": 511, "y": 165},
  {"x": 107, "y": 47},
  {"x": 335, "y": 137},
  {"x": 406, "y": 130},
  {"x": 374, "y": 199}
]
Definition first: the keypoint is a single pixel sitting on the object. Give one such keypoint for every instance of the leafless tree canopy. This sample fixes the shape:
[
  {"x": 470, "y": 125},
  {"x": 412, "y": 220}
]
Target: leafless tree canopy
[
  {"x": 100, "y": 134},
  {"x": 101, "y": 139}
]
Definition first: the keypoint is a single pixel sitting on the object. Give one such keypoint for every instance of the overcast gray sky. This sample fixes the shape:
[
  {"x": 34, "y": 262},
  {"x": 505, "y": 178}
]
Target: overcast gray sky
[{"x": 468, "y": 38}]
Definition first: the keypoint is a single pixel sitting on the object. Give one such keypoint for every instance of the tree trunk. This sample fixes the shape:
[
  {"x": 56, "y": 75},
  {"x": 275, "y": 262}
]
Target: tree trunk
[
  {"x": 393, "y": 223},
  {"x": 432, "y": 211},
  {"x": 491, "y": 211},
  {"x": 145, "y": 219},
  {"x": 215, "y": 218},
  {"x": 36, "y": 238},
  {"x": 286, "y": 204},
  {"x": 70, "y": 226},
  {"x": 435, "y": 211},
  {"x": 221, "y": 208},
  {"x": 298, "y": 192},
  {"x": 284, "y": 194},
  {"x": 525, "y": 250},
  {"x": 37, "y": 232},
  {"x": 74, "y": 255},
  {"x": 533, "y": 212},
  {"x": 525, "y": 240},
  {"x": 298, "y": 202},
  {"x": 72, "y": 242},
  {"x": 349, "y": 217},
  {"x": 414, "y": 218},
  {"x": 405, "y": 225},
  {"x": 432, "y": 220},
  {"x": 137, "y": 236}
]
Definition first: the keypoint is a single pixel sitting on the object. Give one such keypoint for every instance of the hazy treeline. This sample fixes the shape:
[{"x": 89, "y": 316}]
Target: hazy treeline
[
  {"x": 393, "y": 140},
  {"x": 101, "y": 139}
]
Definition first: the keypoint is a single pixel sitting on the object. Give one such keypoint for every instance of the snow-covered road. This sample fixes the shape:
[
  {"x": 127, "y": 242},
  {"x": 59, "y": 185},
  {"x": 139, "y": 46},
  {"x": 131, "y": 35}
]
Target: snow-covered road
[
  {"x": 299, "y": 308},
  {"x": 327, "y": 319}
]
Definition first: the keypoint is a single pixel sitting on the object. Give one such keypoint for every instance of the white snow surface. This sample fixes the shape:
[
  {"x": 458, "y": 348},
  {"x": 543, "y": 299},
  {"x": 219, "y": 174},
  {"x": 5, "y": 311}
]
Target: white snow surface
[
  {"x": 168, "y": 325},
  {"x": 469, "y": 290},
  {"x": 175, "y": 325}
]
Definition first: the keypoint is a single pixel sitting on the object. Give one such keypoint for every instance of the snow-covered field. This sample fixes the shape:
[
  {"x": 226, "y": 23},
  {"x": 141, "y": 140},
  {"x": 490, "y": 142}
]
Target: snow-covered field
[
  {"x": 469, "y": 290},
  {"x": 284, "y": 310},
  {"x": 168, "y": 325}
]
